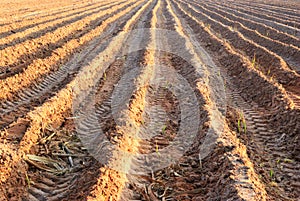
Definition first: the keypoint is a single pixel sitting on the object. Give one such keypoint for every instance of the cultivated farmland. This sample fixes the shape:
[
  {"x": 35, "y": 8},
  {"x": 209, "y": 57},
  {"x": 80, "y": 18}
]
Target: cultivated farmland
[{"x": 149, "y": 100}]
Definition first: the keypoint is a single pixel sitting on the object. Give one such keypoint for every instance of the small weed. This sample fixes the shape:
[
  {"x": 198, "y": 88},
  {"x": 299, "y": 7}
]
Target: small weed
[
  {"x": 269, "y": 71},
  {"x": 245, "y": 126},
  {"x": 239, "y": 126},
  {"x": 156, "y": 148},
  {"x": 253, "y": 62},
  {"x": 163, "y": 130},
  {"x": 168, "y": 85},
  {"x": 104, "y": 76},
  {"x": 207, "y": 25},
  {"x": 271, "y": 173},
  {"x": 242, "y": 123},
  {"x": 272, "y": 77},
  {"x": 27, "y": 180}
]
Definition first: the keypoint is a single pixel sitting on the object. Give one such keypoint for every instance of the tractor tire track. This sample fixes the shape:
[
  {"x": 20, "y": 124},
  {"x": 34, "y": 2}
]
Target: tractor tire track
[
  {"x": 267, "y": 148},
  {"x": 260, "y": 130},
  {"x": 100, "y": 121},
  {"x": 30, "y": 51},
  {"x": 40, "y": 191},
  {"x": 13, "y": 84},
  {"x": 61, "y": 103},
  {"x": 248, "y": 47}
]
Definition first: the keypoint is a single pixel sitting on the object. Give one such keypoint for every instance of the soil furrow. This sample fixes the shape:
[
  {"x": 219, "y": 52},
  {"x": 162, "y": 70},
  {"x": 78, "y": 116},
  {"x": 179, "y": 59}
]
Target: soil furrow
[
  {"x": 276, "y": 15},
  {"x": 290, "y": 54},
  {"x": 270, "y": 64},
  {"x": 39, "y": 92},
  {"x": 280, "y": 9},
  {"x": 23, "y": 25},
  {"x": 18, "y": 82},
  {"x": 92, "y": 170},
  {"x": 239, "y": 67},
  {"x": 265, "y": 28},
  {"x": 113, "y": 183},
  {"x": 20, "y": 56},
  {"x": 21, "y": 10},
  {"x": 281, "y": 27},
  {"x": 281, "y": 20},
  {"x": 261, "y": 140},
  {"x": 149, "y": 100},
  {"x": 241, "y": 182},
  {"x": 39, "y": 30},
  {"x": 259, "y": 27},
  {"x": 293, "y": 28},
  {"x": 57, "y": 109},
  {"x": 54, "y": 82},
  {"x": 275, "y": 112}
]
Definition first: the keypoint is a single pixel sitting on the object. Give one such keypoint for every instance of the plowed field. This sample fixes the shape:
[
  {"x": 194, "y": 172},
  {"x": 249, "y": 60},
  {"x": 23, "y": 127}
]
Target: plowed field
[{"x": 149, "y": 100}]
